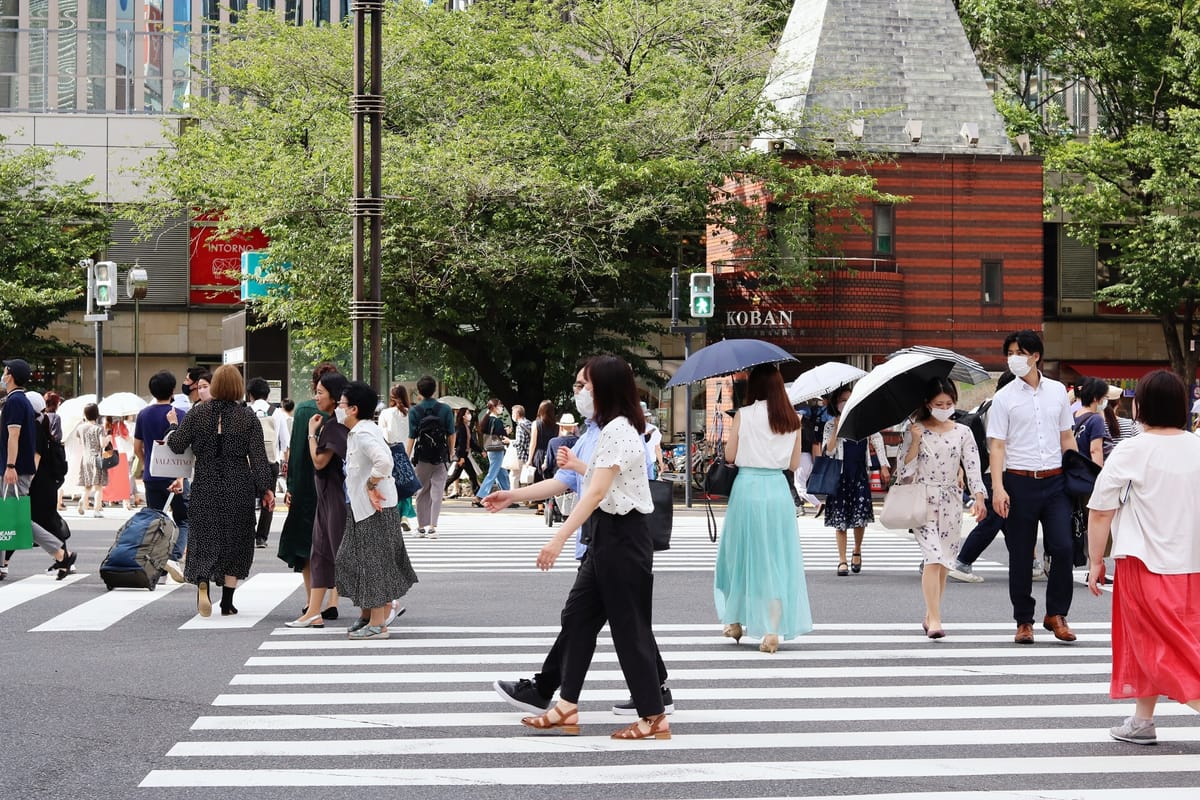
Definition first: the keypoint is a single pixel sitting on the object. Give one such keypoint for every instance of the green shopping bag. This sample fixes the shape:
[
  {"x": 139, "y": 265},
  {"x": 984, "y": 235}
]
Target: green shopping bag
[{"x": 16, "y": 525}]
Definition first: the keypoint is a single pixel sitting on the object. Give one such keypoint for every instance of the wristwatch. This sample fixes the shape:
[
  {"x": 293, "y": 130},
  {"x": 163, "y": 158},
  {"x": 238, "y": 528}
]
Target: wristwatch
[{"x": 12, "y": 466}]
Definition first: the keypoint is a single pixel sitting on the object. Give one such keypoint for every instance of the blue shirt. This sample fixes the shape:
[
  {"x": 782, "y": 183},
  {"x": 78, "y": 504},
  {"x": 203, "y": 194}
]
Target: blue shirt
[
  {"x": 18, "y": 411},
  {"x": 152, "y": 426}
]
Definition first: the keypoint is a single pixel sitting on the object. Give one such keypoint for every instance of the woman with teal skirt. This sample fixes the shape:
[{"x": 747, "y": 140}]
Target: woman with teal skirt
[{"x": 759, "y": 587}]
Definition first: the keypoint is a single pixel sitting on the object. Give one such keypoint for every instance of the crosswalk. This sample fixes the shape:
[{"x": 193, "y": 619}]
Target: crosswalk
[
  {"x": 468, "y": 543},
  {"x": 846, "y": 707}
]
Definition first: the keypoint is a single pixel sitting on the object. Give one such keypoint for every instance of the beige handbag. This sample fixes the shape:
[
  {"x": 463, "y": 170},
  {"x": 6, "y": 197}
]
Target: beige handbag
[{"x": 905, "y": 507}]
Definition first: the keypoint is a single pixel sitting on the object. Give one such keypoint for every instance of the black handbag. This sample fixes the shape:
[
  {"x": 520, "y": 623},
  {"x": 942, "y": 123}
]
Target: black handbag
[
  {"x": 1079, "y": 474},
  {"x": 826, "y": 476},
  {"x": 662, "y": 517},
  {"x": 718, "y": 482},
  {"x": 110, "y": 458}
]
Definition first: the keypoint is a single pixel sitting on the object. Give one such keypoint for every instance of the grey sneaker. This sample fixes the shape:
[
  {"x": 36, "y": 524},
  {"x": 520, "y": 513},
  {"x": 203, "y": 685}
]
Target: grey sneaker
[
  {"x": 1135, "y": 731},
  {"x": 964, "y": 573},
  {"x": 432, "y": 532},
  {"x": 370, "y": 632},
  {"x": 173, "y": 569},
  {"x": 1039, "y": 571},
  {"x": 629, "y": 709},
  {"x": 420, "y": 533}
]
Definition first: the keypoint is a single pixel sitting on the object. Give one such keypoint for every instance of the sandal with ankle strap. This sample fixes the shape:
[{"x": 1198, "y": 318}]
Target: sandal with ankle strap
[
  {"x": 565, "y": 721},
  {"x": 658, "y": 728},
  {"x": 856, "y": 568},
  {"x": 843, "y": 569}
]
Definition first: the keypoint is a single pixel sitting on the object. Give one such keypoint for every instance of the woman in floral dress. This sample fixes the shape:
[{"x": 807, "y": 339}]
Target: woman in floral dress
[{"x": 933, "y": 452}]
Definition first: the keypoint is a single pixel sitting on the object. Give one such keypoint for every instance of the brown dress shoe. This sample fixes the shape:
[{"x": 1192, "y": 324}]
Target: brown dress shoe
[
  {"x": 1024, "y": 633},
  {"x": 1058, "y": 625}
]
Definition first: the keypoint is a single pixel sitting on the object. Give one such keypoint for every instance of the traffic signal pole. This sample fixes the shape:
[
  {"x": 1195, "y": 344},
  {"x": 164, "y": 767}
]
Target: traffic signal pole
[{"x": 687, "y": 331}]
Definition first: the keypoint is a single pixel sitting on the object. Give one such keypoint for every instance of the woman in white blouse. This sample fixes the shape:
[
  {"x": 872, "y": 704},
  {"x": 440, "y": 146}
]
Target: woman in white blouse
[
  {"x": 759, "y": 585},
  {"x": 615, "y": 583},
  {"x": 1146, "y": 497},
  {"x": 372, "y": 566}
]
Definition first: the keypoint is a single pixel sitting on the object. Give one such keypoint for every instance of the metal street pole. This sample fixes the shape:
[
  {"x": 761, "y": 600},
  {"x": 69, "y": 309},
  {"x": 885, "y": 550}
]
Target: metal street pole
[
  {"x": 99, "y": 361},
  {"x": 366, "y": 208}
]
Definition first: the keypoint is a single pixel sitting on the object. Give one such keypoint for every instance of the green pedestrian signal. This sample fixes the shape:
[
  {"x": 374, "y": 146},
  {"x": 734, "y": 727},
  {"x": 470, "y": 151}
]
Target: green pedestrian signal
[{"x": 702, "y": 300}]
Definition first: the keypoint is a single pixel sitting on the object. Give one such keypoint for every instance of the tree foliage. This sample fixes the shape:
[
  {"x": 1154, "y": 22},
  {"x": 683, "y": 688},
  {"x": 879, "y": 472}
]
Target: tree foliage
[
  {"x": 46, "y": 227},
  {"x": 540, "y": 168},
  {"x": 1133, "y": 182}
]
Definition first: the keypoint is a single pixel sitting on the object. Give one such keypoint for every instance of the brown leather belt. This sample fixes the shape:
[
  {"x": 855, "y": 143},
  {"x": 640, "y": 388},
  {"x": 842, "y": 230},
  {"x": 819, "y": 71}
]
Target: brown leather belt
[{"x": 1036, "y": 474}]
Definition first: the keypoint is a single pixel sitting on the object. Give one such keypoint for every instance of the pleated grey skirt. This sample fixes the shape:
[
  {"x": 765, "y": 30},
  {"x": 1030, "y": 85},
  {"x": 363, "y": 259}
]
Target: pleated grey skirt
[{"x": 372, "y": 566}]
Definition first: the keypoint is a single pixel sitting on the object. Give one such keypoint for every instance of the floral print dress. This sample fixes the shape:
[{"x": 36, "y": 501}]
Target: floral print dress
[{"x": 936, "y": 467}]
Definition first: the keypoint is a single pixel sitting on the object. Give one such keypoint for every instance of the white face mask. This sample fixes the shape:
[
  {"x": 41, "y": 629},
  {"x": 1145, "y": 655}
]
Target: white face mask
[
  {"x": 942, "y": 414},
  {"x": 1019, "y": 365},
  {"x": 340, "y": 414},
  {"x": 583, "y": 402},
  {"x": 1103, "y": 404}
]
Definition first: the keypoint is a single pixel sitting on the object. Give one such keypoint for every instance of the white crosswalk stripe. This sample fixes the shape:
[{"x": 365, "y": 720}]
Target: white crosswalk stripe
[{"x": 843, "y": 704}]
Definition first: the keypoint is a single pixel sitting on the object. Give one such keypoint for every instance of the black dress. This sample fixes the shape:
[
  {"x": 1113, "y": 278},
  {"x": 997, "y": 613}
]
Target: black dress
[{"x": 232, "y": 472}]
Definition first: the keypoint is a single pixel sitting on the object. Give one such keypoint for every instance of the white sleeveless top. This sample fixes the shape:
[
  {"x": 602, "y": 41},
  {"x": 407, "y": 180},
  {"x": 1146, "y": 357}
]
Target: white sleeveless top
[{"x": 758, "y": 445}]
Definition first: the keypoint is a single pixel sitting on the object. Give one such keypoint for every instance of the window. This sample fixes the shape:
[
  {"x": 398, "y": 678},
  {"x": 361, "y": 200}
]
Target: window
[
  {"x": 993, "y": 281},
  {"x": 884, "y": 223}
]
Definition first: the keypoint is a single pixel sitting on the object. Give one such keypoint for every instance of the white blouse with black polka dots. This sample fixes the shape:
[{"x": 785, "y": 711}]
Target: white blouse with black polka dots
[{"x": 621, "y": 446}]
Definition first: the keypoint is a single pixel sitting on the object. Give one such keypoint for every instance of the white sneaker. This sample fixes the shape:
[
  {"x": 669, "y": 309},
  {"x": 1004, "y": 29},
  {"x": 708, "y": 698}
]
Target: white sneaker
[
  {"x": 420, "y": 533},
  {"x": 1039, "y": 572},
  {"x": 1135, "y": 731},
  {"x": 174, "y": 569},
  {"x": 432, "y": 533},
  {"x": 964, "y": 573}
]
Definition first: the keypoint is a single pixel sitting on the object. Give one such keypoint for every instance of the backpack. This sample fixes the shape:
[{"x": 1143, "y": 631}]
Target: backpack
[
  {"x": 432, "y": 444},
  {"x": 975, "y": 421},
  {"x": 270, "y": 435}
]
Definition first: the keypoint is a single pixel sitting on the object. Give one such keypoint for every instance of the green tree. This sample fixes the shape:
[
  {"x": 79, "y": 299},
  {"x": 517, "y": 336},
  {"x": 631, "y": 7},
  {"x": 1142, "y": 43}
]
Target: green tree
[
  {"x": 46, "y": 227},
  {"x": 1132, "y": 183},
  {"x": 540, "y": 168}
]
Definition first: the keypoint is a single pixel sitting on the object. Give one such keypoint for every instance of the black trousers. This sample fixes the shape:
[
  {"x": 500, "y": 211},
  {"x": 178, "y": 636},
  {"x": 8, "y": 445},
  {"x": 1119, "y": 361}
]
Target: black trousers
[
  {"x": 1034, "y": 500},
  {"x": 983, "y": 533},
  {"x": 465, "y": 465},
  {"x": 615, "y": 584},
  {"x": 264, "y": 514}
]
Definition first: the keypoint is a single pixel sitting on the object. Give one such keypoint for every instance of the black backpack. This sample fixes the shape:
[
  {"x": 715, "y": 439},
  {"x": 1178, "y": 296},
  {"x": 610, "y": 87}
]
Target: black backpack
[
  {"x": 54, "y": 455},
  {"x": 432, "y": 445},
  {"x": 975, "y": 421}
]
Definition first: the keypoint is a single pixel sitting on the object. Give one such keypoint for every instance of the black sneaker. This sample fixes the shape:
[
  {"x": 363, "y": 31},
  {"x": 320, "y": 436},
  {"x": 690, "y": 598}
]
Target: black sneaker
[
  {"x": 522, "y": 694},
  {"x": 261, "y": 544},
  {"x": 628, "y": 709}
]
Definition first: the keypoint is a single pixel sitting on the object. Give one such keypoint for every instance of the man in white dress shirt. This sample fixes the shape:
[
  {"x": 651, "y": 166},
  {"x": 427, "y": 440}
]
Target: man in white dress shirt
[{"x": 1029, "y": 427}]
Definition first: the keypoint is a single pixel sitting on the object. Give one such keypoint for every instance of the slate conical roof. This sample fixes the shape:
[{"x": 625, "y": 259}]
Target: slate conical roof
[{"x": 886, "y": 62}]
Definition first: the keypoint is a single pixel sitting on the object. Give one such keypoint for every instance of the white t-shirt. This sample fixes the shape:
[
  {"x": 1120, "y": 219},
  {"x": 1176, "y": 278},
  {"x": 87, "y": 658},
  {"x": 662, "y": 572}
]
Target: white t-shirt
[
  {"x": 1030, "y": 422},
  {"x": 758, "y": 445},
  {"x": 394, "y": 424},
  {"x": 1159, "y": 521},
  {"x": 619, "y": 445}
]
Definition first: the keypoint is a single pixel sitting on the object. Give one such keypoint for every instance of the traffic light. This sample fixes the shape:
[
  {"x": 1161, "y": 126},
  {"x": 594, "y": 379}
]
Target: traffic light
[
  {"x": 104, "y": 284},
  {"x": 702, "y": 302}
]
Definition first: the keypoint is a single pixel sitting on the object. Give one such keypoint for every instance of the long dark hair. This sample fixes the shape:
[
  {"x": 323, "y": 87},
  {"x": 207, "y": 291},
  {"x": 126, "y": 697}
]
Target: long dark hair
[
  {"x": 615, "y": 391},
  {"x": 547, "y": 414},
  {"x": 486, "y": 419},
  {"x": 933, "y": 388},
  {"x": 399, "y": 396},
  {"x": 767, "y": 384}
]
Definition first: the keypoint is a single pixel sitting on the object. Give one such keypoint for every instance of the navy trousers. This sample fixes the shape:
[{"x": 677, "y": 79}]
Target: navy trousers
[{"x": 1034, "y": 500}]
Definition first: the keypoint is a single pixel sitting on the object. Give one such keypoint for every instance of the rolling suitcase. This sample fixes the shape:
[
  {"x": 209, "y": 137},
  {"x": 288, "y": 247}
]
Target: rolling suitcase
[{"x": 140, "y": 553}]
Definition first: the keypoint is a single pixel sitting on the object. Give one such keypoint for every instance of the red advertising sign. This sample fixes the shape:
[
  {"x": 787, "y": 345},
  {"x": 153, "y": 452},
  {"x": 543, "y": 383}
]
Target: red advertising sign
[{"x": 215, "y": 264}]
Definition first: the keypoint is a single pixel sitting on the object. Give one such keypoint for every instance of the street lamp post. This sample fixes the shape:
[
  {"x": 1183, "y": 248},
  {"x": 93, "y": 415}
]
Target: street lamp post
[{"x": 366, "y": 207}]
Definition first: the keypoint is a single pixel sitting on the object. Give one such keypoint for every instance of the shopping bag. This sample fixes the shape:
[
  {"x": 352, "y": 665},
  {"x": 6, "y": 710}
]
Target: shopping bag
[
  {"x": 511, "y": 459},
  {"x": 826, "y": 476},
  {"x": 528, "y": 473},
  {"x": 16, "y": 524},
  {"x": 166, "y": 463}
]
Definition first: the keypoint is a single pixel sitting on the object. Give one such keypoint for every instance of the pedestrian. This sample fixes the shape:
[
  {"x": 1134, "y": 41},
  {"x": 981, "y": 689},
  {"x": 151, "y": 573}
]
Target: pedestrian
[
  {"x": 1146, "y": 498},
  {"x": 296, "y": 539},
  {"x": 759, "y": 585},
  {"x": 150, "y": 429},
  {"x": 1092, "y": 436},
  {"x": 615, "y": 582},
  {"x": 851, "y": 506},
  {"x": 494, "y": 439},
  {"x": 393, "y": 421},
  {"x": 371, "y": 566},
  {"x": 536, "y": 695},
  {"x": 275, "y": 441},
  {"x": 48, "y": 478},
  {"x": 544, "y": 429},
  {"x": 93, "y": 477},
  {"x": 431, "y": 440},
  {"x": 231, "y": 473},
  {"x": 326, "y": 444},
  {"x": 1029, "y": 428},
  {"x": 465, "y": 443},
  {"x": 53, "y": 401},
  {"x": 18, "y": 441},
  {"x": 119, "y": 487},
  {"x": 812, "y": 430},
  {"x": 522, "y": 435},
  {"x": 934, "y": 450}
]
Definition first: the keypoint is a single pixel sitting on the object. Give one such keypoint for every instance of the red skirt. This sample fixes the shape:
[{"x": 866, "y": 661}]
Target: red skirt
[{"x": 1155, "y": 633}]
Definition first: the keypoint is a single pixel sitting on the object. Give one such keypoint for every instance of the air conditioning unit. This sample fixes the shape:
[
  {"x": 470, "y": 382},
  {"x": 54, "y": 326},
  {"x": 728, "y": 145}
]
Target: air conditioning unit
[{"x": 1076, "y": 308}]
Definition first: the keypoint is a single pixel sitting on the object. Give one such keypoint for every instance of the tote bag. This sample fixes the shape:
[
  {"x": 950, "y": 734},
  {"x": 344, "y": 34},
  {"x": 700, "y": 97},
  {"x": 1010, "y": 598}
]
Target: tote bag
[
  {"x": 662, "y": 517},
  {"x": 528, "y": 473},
  {"x": 166, "y": 463},
  {"x": 904, "y": 507},
  {"x": 16, "y": 524},
  {"x": 825, "y": 477},
  {"x": 511, "y": 459}
]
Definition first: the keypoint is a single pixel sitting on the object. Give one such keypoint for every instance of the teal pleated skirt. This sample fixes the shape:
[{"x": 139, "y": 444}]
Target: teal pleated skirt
[{"x": 760, "y": 567}]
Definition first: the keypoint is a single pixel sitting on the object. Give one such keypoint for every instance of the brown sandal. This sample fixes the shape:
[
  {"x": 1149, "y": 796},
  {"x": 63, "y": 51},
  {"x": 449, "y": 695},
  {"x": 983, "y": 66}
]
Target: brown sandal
[
  {"x": 554, "y": 719},
  {"x": 659, "y": 728},
  {"x": 734, "y": 631}
]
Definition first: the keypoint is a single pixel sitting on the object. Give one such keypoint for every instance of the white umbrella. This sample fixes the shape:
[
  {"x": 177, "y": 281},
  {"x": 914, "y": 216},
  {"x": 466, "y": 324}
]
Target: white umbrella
[
  {"x": 822, "y": 380},
  {"x": 456, "y": 402},
  {"x": 71, "y": 411},
  {"x": 121, "y": 404}
]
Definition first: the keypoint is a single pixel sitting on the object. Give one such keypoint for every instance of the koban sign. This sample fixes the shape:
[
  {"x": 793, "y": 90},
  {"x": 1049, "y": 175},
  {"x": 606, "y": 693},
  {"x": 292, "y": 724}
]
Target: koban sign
[{"x": 758, "y": 318}]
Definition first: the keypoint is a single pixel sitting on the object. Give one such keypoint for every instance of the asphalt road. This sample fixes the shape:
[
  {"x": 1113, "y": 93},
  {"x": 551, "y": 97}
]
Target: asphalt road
[{"x": 128, "y": 695}]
